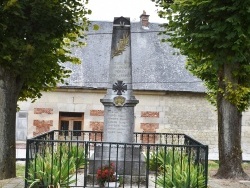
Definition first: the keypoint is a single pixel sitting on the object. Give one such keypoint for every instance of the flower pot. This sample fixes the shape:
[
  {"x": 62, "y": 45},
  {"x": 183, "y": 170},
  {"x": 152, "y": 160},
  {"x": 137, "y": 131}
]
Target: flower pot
[{"x": 111, "y": 184}]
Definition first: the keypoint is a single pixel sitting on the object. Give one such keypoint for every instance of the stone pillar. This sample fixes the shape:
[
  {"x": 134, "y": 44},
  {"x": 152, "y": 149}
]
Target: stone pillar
[
  {"x": 119, "y": 101},
  {"x": 119, "y": 104}
]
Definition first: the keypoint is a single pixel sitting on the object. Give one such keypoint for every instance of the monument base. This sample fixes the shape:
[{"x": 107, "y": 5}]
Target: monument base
[
  {"x": 125, "y": 179},
  {"x": 127, "y": 161}
]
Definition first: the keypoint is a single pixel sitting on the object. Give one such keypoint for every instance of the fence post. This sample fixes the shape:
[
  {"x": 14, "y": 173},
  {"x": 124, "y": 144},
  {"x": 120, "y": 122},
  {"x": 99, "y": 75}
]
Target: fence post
[
  {"x": 27, "y": 162},
  {"x": 147, "y": 164},
  {"x": 206, "y": 165},
  {"x": 86, "y": 144}
]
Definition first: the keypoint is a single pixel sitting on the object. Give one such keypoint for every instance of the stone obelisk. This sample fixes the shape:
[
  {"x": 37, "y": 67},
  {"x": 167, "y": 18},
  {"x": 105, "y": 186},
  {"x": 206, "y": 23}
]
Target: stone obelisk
[
  {"x": 119, "y": 101},
  {"x": 119, "y": 104}
]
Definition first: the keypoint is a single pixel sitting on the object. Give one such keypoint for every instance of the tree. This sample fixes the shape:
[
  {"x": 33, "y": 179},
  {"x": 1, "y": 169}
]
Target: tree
[
  {"x": 215, "y": 37},
  {"x": 35, "y": 40}
]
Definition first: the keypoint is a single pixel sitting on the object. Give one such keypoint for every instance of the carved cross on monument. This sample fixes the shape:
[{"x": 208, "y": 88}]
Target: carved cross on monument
[{"x": 119, "y": 87}]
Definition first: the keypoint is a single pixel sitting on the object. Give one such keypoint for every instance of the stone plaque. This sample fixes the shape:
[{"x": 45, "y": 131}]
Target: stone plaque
[{"x": 119, "y": 124}]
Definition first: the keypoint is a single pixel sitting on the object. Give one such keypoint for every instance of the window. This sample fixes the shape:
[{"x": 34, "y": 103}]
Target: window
[
  {"x": 65, "y": 127},
  {"x": 21, "y": 125},
  {"x": 77, "y": 125},
  {"x": 71, "y": 121}
]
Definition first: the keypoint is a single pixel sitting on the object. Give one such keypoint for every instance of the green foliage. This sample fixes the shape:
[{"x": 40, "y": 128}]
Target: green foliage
[
  {"x": 20, "y": 169},
  {"x": 177, "y": 169},
  {"x": 153, "y": 161},
  {"x": 77, "y": 153},
  {"x": 237, "y": 94},
  {"x": 96, "y": 27},
  {"x": 57, "y": 167},
  {"x": 212, "y": 35},
  {"x": 160, "y": 157},
  {"x": 213, "y": 165},
  {"x": 36, "y": 38}
]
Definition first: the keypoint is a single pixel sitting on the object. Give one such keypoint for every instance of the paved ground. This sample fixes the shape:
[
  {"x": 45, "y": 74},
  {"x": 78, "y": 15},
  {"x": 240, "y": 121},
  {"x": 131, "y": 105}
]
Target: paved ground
[
  {"x": 213, "y": 183},
  {"x": 221, "y": 183},
  {"x": 12, "y": 183},
  {"x": 227, "y": 183}
]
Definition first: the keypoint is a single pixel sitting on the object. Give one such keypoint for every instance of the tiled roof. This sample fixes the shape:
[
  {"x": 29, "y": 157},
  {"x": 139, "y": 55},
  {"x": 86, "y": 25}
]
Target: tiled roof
[{"x": 154, "y": 65}]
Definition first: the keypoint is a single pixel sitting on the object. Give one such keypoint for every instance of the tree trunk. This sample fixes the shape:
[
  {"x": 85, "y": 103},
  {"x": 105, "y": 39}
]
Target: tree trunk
[
  {"x": 9, "y": 90},
  {"x": 229, "y": 132}
]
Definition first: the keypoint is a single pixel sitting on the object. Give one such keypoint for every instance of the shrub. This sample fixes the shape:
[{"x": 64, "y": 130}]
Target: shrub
[
  {"x": 76, "y": 153},
  {"x": 51, "y": 169},
  {"x": 180, "y": 172},
  {"x": 160, "y": 157},
  {"x": 153, "y": 160}
]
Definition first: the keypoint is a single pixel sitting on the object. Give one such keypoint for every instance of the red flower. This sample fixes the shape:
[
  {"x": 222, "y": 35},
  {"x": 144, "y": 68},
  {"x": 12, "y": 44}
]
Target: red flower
[{"x": 106, "y": 174}]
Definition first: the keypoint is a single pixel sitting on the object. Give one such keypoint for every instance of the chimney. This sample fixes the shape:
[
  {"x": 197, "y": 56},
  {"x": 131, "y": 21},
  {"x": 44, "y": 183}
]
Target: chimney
[{"x": 144, "y": 20}]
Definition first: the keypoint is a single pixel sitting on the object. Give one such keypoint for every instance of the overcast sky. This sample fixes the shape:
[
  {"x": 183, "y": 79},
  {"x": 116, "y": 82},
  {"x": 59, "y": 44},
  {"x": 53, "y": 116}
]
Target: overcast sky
[{"x": 106, "y": 10}]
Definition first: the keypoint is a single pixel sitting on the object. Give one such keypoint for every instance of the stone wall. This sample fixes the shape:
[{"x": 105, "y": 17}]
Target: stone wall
[{"x": 188, "y": 113}]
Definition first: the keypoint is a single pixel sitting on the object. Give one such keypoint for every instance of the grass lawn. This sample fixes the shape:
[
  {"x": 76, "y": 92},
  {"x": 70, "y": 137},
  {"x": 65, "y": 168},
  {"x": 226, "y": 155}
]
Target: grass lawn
[
  {"x": 214, "y": 165},
  {"x": 20, "y": 170}
]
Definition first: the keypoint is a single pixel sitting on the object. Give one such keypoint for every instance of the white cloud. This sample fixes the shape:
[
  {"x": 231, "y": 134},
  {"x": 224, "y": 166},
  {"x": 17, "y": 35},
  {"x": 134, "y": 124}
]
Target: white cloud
[{"x": 106, "y": 10}]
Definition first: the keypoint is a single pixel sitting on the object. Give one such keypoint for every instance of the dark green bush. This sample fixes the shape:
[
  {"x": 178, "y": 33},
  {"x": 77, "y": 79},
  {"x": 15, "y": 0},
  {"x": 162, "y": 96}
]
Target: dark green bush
[
  {"x": 182, "y": 174},
  {"x": 56, "y": 168},
  {"x": 176, "y": 169},
  {"x": 160, "y": 157}
]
